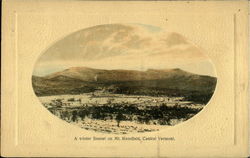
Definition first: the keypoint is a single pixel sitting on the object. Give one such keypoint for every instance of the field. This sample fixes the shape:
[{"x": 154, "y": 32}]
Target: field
[{"x": 120, "y": 113}]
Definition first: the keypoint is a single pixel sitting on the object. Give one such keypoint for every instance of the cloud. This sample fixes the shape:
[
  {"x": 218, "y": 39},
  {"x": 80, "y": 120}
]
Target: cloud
[{"x": 119, "y": 46}]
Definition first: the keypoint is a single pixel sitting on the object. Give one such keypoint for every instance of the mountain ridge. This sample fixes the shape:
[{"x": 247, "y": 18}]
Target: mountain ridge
[
  {"x": 91, "y": 74},
  {"x": 152, "y": 82}
]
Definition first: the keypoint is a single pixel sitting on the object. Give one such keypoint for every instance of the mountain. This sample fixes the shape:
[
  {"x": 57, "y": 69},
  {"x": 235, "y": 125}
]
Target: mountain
[
  {"x": 154, "y": 82},
  {"x": 100, "y": 75}
]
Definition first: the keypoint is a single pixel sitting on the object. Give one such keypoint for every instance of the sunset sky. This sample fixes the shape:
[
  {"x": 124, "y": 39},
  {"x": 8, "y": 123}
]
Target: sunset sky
[{"x": 124, "y": 46}]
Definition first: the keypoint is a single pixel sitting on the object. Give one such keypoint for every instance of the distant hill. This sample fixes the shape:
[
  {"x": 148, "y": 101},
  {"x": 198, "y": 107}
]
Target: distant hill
[
  {"x": 100, "y": 75},
  {"x": 154, "y": 82}
]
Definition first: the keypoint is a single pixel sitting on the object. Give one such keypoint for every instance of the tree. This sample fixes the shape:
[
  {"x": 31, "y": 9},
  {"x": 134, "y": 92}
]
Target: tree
[
  {"x": 119, "y": 118},
  {"x": 74, "y": 115}
]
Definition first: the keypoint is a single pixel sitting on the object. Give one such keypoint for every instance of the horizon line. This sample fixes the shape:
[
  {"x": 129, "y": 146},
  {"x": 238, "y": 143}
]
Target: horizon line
[{"x": 121, "y": 70}]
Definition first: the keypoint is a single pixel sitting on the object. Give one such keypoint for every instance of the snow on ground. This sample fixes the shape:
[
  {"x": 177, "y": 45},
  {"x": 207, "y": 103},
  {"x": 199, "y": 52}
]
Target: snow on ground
[
  {"x": 110, "y": 126},
  {"x": 100, "y": 99}
]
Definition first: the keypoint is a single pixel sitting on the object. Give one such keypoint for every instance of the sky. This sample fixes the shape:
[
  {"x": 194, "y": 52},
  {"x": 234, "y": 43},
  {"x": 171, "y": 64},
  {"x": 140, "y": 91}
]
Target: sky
[{"x": 124, "y": 46}]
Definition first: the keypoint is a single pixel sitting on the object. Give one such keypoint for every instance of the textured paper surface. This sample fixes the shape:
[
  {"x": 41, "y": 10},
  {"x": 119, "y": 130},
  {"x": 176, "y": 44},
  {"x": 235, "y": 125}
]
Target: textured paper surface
[{"x": 219, "y": 28}]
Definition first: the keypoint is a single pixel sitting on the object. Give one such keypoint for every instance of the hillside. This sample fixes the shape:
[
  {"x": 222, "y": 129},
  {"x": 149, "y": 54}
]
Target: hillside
[
  {"x": 169, "y": 82},
  {"x": 100, "y": 75}
]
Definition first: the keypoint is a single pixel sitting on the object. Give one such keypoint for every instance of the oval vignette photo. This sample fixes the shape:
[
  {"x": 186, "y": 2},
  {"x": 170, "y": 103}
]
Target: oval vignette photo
[{"x": 124, "y": 78}]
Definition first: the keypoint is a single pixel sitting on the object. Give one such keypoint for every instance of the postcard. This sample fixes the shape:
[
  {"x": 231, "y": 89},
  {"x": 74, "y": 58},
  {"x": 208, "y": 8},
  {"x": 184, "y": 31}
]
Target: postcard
[{"x": 124, "y": 79}]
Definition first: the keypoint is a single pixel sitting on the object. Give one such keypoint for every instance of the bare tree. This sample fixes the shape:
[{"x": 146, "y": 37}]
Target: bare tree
[{"x": 119, "y": 118}]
